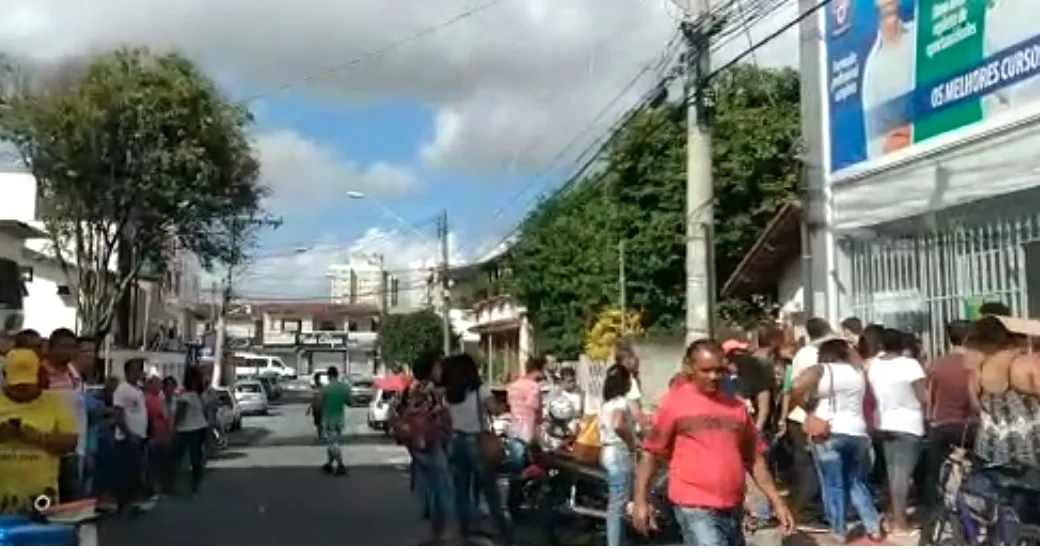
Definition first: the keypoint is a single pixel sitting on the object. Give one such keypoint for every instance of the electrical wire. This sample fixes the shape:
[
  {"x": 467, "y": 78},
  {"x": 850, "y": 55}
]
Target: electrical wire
[
  {"x": 770, "y": 37},
  {"x": 381, "y": 51},
  {"x": 661, "y": 62}
]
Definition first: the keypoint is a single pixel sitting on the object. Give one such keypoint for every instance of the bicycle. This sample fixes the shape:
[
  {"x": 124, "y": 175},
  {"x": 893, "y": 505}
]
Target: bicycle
[{"x": 984, "y": 504}]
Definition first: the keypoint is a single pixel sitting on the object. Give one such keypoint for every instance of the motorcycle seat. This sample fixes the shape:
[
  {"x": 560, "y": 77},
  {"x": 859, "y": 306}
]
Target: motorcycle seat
[
  {"x": 566, "y": 462},
  {"x": 1015, "y": 478}
]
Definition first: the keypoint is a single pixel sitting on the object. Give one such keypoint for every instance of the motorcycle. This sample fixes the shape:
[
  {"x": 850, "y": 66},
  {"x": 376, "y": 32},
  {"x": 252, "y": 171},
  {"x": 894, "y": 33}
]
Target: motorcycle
[{"x": 563, "y": 497}]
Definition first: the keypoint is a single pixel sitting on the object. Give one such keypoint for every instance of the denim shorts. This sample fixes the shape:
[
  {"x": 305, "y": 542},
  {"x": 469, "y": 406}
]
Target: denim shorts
[{"x": 703, "y": 526}]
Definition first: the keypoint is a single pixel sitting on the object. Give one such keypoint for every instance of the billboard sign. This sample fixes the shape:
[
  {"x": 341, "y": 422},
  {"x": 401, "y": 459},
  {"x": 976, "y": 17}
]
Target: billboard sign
[{"x": 901, "y": 72}]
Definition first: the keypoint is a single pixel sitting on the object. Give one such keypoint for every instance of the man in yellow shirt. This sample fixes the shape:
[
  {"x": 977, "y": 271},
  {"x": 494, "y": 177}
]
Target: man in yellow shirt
[{"x": 36, "y": 429}]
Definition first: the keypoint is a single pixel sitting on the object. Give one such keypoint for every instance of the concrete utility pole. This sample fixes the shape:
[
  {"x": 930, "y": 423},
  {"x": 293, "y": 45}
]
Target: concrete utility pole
[
  {"x": 442, "y": 234},
  {"x": 622, "y": 285},
  {"x": 384, "y": 287},
  {"x": 221, "y": 327},
  {"x": 699, "y": 189}
]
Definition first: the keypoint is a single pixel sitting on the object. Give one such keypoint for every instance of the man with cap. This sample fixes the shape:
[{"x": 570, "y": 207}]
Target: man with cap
[{"x": 36, "y": 429}]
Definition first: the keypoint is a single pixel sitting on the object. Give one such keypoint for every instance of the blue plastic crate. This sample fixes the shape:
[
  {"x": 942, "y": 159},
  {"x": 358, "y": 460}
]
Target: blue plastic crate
[{"x": 32, "y": 534}]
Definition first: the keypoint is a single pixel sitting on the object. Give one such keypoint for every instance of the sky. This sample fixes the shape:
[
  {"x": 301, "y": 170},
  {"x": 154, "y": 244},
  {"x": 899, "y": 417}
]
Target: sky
[{"x": 473, "y": 107}]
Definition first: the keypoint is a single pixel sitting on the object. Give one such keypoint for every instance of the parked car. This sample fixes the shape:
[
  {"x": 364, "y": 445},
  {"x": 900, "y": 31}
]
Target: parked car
[
  {"x": 380, "y": 410},
  {"x": 362, "y": 392},
  {"x": 229, "y": 414},
  {"x": 251, "y": 397}
]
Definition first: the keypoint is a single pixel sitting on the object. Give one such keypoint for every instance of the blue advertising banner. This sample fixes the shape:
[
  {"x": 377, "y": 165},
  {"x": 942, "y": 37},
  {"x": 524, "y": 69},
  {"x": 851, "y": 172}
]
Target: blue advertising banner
[{"x": 900, "y": 72}]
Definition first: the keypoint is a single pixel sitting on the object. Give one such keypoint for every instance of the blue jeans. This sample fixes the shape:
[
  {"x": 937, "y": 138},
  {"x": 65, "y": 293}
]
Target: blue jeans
[
  {"x": 433, "y": 483},
  {"x": 840, "y": 464},
  {"x": 467, "y": 465},
  {"x": 617, "y": 462},
  {"x": 703, "y": 526}
]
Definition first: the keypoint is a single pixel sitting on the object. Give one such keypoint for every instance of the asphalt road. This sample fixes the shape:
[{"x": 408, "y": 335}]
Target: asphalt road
[{"x": 267, "y": 489}]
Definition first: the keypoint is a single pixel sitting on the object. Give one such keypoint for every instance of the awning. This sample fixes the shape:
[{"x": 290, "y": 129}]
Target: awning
[{"x": 761, "y": 268}]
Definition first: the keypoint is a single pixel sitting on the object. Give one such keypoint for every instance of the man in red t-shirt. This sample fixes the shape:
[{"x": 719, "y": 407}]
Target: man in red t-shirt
[{"x": 709, "y": 441}]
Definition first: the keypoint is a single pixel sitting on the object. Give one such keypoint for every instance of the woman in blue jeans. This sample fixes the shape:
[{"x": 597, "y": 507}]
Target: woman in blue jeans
[
  {"x": 834, "y": 389},
  {"x": 423, "y": 425},
  {"x": 471, "y": 403},
  {"x": 618, "y": 443}
]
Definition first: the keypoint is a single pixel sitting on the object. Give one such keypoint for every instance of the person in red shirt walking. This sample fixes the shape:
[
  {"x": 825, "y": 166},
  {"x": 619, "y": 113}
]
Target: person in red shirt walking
[{"x": 709, "y": 442}]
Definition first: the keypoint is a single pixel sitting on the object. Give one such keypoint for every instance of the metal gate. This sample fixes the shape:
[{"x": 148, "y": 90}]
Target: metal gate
[{"x": 922, "y": 281}]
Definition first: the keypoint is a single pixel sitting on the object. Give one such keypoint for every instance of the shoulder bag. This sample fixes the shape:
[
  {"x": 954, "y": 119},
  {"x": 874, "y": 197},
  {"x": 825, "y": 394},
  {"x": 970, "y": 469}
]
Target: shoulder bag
[{"x": 816, "y": 428}]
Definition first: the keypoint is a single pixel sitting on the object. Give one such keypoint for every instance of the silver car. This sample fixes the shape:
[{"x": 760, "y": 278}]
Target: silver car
[{"x": 251, "y": 397}]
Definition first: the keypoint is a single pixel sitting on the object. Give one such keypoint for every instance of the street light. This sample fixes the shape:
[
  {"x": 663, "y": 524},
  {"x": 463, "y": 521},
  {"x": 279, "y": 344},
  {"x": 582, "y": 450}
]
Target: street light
[{"x": 358, "y": 195}]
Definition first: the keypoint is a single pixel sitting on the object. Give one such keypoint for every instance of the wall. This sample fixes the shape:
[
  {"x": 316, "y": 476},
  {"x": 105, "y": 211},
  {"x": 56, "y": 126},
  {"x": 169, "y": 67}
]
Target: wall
[
  {"x": 45, "y": 310},
  {"x": 19, "y": 201}
]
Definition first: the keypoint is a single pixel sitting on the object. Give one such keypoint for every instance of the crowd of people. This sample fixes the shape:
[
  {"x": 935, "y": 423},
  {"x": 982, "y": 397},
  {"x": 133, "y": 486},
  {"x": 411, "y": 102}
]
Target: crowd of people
[
  {"x": 122, "y": 445},
  {"x": 855, "y": 416}
]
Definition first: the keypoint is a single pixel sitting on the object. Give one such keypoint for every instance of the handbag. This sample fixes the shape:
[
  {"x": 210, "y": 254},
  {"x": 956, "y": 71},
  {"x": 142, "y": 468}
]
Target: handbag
[
  {"x": 815, "y": 427},
  {"x": 492, "y": 450},
  {"x": 587, "y": 445}
]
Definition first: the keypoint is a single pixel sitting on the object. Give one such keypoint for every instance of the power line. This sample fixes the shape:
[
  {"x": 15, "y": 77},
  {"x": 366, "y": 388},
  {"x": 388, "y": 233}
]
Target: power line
[
  {"x": 770, "y": 37},
  {"x": 660, "y": 63},
  {"x": 381, "y": 51}
]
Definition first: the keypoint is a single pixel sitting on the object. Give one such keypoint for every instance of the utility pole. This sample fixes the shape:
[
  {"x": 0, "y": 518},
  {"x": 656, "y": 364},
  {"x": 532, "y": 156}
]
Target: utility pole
[
  {"x": 699, "y": 189},
  {"x": 622, "y": 286},
  {"x": 221, "y": 327},
  {"x": 384, "y": 287},
  {"x": 442, "y": 234}
]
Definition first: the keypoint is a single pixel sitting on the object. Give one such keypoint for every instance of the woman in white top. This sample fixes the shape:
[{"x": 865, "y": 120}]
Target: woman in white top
[
  {"x": 834, "y": 390},
  {"x": 471, "y": 404},
  {"x": 617, "y": 428},
  {"x": 900, "y": 389},
  {"x": 191, "y": 426}
]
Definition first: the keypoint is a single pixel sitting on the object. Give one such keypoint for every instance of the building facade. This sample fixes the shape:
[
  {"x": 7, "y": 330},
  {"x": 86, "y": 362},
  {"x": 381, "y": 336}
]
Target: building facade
[
  {"x": 496, "y": 325},
  {"x": 162, "y": 303},
  {"x": 310, "y": 336},
  {"x": 925, "y": 187}
]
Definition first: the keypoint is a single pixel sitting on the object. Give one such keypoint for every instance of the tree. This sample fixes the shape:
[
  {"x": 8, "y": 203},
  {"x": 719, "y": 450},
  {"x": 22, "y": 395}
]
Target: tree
[
  {"x": 610, "y": 327},
  {"x": 136, "y": 156},
  {"x": 402, "y": 338},
  {"x": 565, "y": 261}
]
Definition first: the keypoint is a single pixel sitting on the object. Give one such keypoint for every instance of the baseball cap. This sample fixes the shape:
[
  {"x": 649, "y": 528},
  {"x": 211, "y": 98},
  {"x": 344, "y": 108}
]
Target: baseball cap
[
  {"x": 731, "y": 345},
  {"x": 21, "y": 367}
]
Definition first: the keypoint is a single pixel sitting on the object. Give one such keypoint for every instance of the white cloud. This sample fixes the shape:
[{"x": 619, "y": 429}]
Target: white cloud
[
  {"x": 510, "y": 86},
  {"x": 303, "y": 273},
  {"x": 305, "y": 175}
]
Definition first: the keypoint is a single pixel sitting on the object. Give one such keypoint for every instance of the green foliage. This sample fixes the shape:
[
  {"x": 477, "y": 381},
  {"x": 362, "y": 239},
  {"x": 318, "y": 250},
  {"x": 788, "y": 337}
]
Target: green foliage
[
  {"x": 565, "y": 261},
  {"x": 402, "y": 338},
  {"x": 139, "y": 148}
]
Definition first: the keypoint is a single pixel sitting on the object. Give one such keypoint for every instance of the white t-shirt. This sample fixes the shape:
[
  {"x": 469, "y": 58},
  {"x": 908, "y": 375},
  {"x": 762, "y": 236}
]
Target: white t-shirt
[
  {"x": 464, "y": 417},
  {"x": 805, "y": 358},
  {"x": 131, "y": 400},
  {"x": 888, "y": 74},
  {"x": 898, "y": 408},
  {"x": 194, "y": 415},
  {"x": 634, "y": 395},
  {"x": 840, "y": 391},
  {"x": 607, "y": 435}
]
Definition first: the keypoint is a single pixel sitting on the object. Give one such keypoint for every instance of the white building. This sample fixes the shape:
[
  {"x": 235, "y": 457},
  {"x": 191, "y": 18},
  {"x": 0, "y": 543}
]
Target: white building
[
  {"x": 364, "y": 281},
  {"x": 923, "y": 175},
  {"x": 163, "y": 306}
]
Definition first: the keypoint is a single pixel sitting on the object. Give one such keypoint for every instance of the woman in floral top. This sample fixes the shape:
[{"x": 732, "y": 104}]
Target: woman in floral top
[{"x": 424, "y": 425}]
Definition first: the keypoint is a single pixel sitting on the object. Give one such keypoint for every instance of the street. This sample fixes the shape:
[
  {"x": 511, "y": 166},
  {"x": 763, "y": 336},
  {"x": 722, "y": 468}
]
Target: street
[{"x": 267, "y": 489}]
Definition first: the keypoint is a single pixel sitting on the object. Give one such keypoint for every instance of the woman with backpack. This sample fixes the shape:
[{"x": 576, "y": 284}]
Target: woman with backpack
[{"x": 423, "y": 425}]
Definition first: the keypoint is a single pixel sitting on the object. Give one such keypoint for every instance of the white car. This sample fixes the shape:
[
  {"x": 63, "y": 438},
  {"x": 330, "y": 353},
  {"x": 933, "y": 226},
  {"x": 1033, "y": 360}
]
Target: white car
[
  {"x": 380, "y": 410},
  {"x": 251, "y": 397}
]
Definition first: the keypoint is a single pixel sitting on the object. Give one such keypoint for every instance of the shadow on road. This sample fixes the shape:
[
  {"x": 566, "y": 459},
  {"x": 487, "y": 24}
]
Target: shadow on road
[
  {"x": 227, "y": 455},
  {"x": 280, "y": 506},
  {"x": 248, "y": 436},
  {"x": 311, "y": 440}
]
